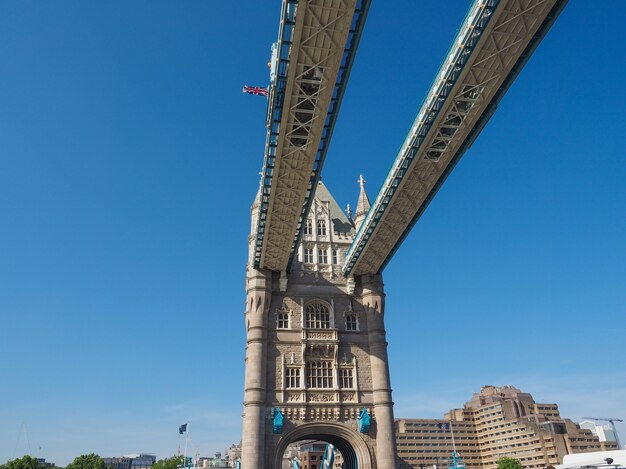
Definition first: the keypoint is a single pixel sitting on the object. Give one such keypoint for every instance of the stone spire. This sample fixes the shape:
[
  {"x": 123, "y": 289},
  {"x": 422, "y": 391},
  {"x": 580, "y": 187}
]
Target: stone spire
[{"x": 363, "y": 205}]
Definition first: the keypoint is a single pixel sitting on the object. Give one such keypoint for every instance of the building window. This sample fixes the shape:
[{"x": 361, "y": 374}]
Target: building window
[
  {"x": 308, "y": 256},
  {"x": 322, "y": 256},
  {"x": 321, "y": 228},
  {"x": 347, "y": 382},
  {"x": 320, "y": 375},
  {"x": 283, "y": 320},
  {"x": 317, "y": 316},
  {"x": 334, "y": 256},
  {"x": 292, "y": 377},
  {"x": 351, "y": 322},
  {"x": 308, "y": 227}
]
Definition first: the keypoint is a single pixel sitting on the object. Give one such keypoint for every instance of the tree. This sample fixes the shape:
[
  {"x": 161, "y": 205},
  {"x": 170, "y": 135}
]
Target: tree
[
  {"x": 169, "y": 463},
  {"x": 26, "y": 462},
  {"x": 87, "y": 461},
  {"x": 509, "y": 463}
]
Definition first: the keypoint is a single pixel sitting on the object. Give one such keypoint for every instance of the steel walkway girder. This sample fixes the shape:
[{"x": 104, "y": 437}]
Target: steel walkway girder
[
  {"x": 495, "y": 41},
  {"x": 316, "y": 46}
]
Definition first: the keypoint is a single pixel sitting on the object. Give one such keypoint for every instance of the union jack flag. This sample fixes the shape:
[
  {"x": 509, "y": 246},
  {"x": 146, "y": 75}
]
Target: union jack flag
[{"x": 255, "y": 90}]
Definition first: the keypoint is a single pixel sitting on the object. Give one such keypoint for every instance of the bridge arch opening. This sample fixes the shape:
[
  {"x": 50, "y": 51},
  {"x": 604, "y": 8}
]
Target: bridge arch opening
[{"x": 353, "y": 450}]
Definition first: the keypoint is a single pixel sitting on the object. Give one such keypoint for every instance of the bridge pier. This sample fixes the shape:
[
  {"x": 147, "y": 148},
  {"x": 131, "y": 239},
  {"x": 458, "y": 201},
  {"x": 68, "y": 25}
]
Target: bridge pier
[
  {"x": 372, "y": 298},
  {"x": 258, "y": 286}
]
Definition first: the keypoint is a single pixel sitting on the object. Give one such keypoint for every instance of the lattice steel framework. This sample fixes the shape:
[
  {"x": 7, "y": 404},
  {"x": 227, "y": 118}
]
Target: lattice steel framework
[
  {"x": 494, "y": 43},
  {"x": 315, "y": 51}
]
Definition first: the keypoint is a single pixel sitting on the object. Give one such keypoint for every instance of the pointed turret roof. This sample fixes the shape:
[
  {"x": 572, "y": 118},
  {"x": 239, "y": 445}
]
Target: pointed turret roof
[
  {"x": 341, "y": 222},
  {"x": 363, "y": 206}
]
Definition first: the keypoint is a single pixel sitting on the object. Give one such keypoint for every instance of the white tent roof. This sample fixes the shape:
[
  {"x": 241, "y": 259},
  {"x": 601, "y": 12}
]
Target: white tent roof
[{"x": 595, "y": 459}]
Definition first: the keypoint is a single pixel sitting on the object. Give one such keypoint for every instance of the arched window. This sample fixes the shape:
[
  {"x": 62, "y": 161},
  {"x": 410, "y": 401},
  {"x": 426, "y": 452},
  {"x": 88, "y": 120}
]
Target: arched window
[
  {"x": 351, "y": 322},
  {"x": 319, "y": 374},
  {"x": 308, "y": 227},
  {"x": 283, "y": 320},
  {"x": 321, "y": 228},
  {"x": 317, "y": 316}
]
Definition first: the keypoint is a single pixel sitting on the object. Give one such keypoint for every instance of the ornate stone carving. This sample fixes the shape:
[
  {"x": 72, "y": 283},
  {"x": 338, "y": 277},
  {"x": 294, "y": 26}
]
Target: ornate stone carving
[
  {"x": 348, "y": 397},
  {"x": 322, "y": 397},
  {"x": 294, "y": 397},
  {"x": 320, "y": 335},
  {"x": 321, "y": 351}
]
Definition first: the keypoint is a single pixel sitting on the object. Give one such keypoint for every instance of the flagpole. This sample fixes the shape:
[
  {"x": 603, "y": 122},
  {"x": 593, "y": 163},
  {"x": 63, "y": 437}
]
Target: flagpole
[{"x": 186, "y": 440}]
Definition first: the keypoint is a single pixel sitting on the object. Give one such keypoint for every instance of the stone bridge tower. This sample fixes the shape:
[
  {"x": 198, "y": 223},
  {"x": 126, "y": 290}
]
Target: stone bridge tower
[{"x": 316, "y": 353}]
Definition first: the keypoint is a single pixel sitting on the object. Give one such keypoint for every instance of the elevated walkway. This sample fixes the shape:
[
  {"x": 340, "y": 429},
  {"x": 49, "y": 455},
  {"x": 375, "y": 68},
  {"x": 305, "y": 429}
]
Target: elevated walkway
[
  {"x": 493, "y": 45},
  {"x": 310, "y": 67}
]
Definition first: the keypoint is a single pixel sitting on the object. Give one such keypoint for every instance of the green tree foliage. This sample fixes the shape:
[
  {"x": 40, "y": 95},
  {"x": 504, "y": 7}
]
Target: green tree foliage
[
  {"x": 169, "y": 463},
  {"x": 87, "y": 461},
  {"x": 27, "y": 462},
  {"x": 509, "y": 463}
]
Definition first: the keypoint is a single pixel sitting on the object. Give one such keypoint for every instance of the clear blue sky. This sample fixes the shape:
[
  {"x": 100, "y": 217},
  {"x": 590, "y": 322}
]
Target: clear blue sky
[{"x": 128, "y": 162}]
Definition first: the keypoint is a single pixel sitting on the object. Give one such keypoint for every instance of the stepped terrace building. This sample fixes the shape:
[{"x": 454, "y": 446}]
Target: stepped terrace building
[{"x": 497, "y": 422}]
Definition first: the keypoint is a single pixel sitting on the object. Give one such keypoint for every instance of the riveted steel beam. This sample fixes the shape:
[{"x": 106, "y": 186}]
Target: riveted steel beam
[{"x": 314, "y": 55}]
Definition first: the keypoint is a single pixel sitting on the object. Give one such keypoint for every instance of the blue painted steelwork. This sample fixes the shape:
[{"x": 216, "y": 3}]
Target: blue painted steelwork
[
  {"x": 474, "y": 24},
  {"x": 278, "y": 421},
  {"x": 328, "y": 458},
  {"x": 275, "y": 111},
  {"x": 364, "y": 421}
]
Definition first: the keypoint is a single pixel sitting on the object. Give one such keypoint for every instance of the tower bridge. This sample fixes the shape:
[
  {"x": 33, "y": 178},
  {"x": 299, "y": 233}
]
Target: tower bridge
[{"x": 316, "y": 351}]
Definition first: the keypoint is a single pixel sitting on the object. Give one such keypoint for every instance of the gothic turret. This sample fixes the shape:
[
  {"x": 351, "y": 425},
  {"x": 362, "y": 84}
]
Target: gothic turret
[{"x": 363, "y": 205}]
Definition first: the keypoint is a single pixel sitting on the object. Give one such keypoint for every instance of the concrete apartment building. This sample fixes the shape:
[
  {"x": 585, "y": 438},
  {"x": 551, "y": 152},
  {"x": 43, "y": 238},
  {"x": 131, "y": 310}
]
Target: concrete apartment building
[
  {"x": 311, "y": 455},
  {"x": 422, "y": 444},
  {"x": 497, "y": 422}
]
